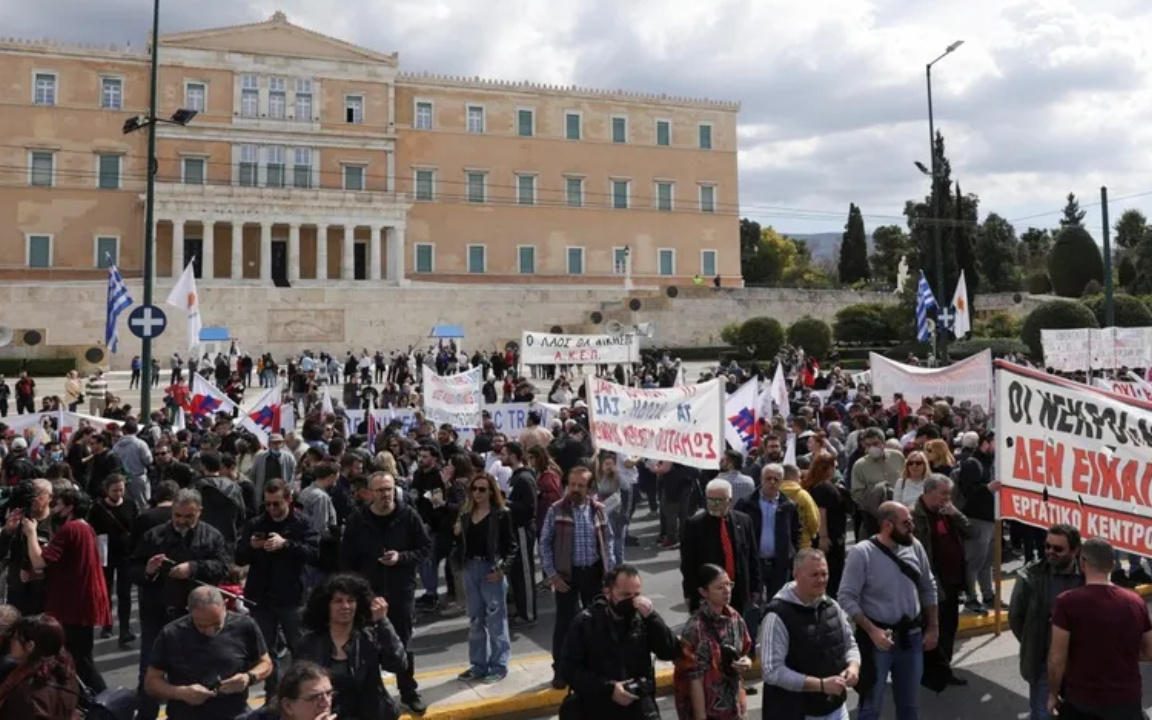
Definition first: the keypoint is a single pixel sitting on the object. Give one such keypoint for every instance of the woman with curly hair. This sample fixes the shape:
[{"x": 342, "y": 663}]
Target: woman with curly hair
[
  {"x": 43, "y": 685},
  {"x": 350, "y": 636}
]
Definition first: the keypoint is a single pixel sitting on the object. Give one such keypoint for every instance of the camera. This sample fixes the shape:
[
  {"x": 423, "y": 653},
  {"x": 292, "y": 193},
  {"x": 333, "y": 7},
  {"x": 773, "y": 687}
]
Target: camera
[
  {"x": 728, "y": 656},
  {"x": 639, "y": 687},
  {"x": 18, "y": 497},
  {"x": 213, "y": 683}
]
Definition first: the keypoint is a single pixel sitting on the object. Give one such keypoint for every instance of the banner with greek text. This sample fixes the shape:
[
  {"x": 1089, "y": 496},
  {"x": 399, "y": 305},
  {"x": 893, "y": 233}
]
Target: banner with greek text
[
  {"x": 1127, "y": 389},
  {"x": 682, "y": 424},
  {"x": 509, "y": 418},
  {"x": 1097, "y": 348},
  {"x": 970, "y": 379},
  {"x": 1071, "y": 453},
  {"x": 454, "y": 399},
  {"x": 1067, "y": 350},
  {"x": 549, "y": 349}
]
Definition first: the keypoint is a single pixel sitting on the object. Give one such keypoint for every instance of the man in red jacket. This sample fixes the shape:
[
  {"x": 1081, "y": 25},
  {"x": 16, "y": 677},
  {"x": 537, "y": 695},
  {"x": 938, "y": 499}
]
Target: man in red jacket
[{"x": 74, "y": 576}]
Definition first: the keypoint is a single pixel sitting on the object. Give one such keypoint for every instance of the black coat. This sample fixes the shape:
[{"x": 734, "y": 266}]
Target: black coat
[
  {"x": 500, "y": 547},
  {"x": 787, "y": 535},
  {"x": 700, "y": 545},
  {"x": 203, "y": 546},
  {"x": 363, "y": 545},
  {"x": 369, "y": 651},
  {"x": 276, "y": 579}
]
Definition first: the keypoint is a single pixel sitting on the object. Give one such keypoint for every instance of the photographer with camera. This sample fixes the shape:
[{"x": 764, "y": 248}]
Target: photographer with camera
[
  {"x": 607, "y": 655},
  {"x": 26, "y": 591}
]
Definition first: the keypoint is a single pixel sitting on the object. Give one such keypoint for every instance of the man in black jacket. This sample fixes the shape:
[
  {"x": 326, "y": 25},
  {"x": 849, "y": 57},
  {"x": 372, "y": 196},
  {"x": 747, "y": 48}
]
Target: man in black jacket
[
  {"x": 724, "y": 537},
  {"x": 607, "y": 655},
  {"x": 522, "y": 504},
  {"x": 166, "y": 565},
  {"x": 278, "y": 545},
  {"x": 386, "y": 544},
  {"x": 224, "y": 507},
  {"x": 974, "y": 481}
]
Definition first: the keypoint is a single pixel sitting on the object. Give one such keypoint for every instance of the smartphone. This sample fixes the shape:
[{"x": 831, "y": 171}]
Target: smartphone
[{"x": 260, "y": 535}]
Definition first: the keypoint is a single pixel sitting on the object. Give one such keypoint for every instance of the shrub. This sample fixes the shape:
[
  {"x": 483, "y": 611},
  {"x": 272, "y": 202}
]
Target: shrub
[
  {"x": 863, "y": 323},
  {"x": 1126, "y": 272},
  {"x": 764, "y": 335},
  {"x": 730, "y": 334},
  {"x": 1054, "y": 315},
  {"x": 815, "y": 336},
  {"x": 37, "y": 367},
  {"x": 1039, "y": 283},
  {"x": 1092, "y": 288},
  {"x": 1074, "y": 261},
  {"x": 998, "y": 325},
  {"x": 1128, "y": 311}
]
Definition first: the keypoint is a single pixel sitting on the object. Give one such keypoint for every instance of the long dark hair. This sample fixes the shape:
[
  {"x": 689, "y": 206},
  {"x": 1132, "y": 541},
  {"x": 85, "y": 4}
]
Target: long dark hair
[
  {"x": 52, "y": 661},
  {"x": 316, "y": 612}
]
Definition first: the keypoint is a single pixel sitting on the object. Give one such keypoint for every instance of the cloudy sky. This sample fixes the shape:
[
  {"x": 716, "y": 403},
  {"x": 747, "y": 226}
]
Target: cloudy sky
[{"x": 1045, "y": 97}]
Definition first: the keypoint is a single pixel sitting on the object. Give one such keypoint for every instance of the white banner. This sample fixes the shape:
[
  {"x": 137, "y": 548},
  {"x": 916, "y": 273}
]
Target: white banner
[
  {"x": 969, "y": 379},
  {"x": 1127, "y": 389},
  {"x": 1067, "y": 350},
  {"x": 1069, "y": 453},
  {"x": 683, "y": 424},
  {"x": 1097, "y": 348},
  {"x": 454, "y": 399},
  {"x": 549, "y": 349}
]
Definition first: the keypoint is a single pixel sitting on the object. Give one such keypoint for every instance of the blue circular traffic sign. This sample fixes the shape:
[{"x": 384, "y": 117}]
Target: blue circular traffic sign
[{"x": 147, "y": 322}]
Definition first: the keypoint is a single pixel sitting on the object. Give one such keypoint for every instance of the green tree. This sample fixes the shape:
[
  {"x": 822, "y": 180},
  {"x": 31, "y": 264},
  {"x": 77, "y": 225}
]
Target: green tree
[
  {"x": 1074, "y": 261},
  {"x": 1073, "y": 215},
  {"x": 1130, "y": 229},
  {"x": 750, "y": 236},
  {"x": 815, "y": 336},
  {"x": 802, "y": 272},
  {"x": 966, "y": 215},
  {"x": 770, "y": 258},
  {"x": 953, "y": 224},
  {"x": 1126, "y": 272},
  {"x": 889, "y": 243},
  {"x": 996, "y": 251},
  {"x": 1035, "y": 244},
  {"x": 854, "y": 249},
  {"x": 763, "y": 335}
]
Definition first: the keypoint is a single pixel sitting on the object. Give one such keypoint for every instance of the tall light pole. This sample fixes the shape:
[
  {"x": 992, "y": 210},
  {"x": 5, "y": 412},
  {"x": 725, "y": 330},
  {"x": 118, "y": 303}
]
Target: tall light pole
[{"x": 936, "y": 239}]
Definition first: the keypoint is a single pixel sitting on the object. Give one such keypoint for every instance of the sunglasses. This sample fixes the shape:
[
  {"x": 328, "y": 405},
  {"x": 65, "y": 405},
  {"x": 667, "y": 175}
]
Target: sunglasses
[
  {"x": 480, "y": 488},
  {"x": 915, "y": 462}
]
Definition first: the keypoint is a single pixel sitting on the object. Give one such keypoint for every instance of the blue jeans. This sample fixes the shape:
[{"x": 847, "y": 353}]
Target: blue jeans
[
  {"x": 488, "y": 644},
  {"x": 1038, "y": 699},
  {"x": 906, "y": 665},
  {"x": 840, "y": 713}
]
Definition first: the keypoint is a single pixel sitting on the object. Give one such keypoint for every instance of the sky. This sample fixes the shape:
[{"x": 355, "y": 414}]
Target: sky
[{"x": 1044, "y": 98}]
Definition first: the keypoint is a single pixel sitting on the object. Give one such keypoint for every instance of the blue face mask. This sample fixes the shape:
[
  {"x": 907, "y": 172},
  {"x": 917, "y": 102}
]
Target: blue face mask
[{"x": 56, "y": 456}]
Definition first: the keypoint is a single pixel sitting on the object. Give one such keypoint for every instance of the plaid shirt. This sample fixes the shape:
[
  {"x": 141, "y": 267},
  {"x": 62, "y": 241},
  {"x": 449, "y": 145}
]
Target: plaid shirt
[{"x": 585, "y": 550}]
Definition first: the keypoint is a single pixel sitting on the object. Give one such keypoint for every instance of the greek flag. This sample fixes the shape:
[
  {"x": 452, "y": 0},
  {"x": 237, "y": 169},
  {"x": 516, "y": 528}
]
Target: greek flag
[
  {"x": 925, "y": 301},
  {"x": 118, "y": 301}
]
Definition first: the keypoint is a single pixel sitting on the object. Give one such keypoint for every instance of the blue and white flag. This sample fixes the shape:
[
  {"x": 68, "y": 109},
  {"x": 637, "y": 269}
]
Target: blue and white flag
[
  {"x": 118, "y": 301},
  {"x": 925, "y": 301}
]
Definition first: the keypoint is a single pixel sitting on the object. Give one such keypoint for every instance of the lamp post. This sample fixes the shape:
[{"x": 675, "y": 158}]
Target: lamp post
[
  {"x": 936, "y": 239},
  {"x": 180, "y": 117}
]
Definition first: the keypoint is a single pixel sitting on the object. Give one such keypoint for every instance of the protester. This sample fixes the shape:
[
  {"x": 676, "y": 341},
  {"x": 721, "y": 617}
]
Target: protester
[
  {"x": 830, "y": 500},
  {"x": 112, "y": 517},
  {"x": 523, "y": 501},
  {"x": 805, "y": 507},
  {"x": 42, "y": 685},
  {"x": 776, "y": 527},
  {"x": 910, "y": 486},
  {"x": 974, "y": 480},
  {"x": 723, "y": 537},
  {"x": 26, "y": 587},
  {"x": 872, "y": 475},
  {"x": 305, "y": 693}
]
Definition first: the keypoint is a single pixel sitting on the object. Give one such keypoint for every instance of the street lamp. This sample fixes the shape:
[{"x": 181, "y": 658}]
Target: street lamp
[
  {"x": 131, "y": 125},
  {"x": 936, "y": 240}
]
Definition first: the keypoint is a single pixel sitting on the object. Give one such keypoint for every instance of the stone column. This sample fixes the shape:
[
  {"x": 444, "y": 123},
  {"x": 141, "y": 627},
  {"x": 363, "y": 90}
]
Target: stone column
[
  {"x": 177, "y": 247},
  {"x": 374, "y": 254},
  {"x": 396, "y": 254},
  {"x": 347, "y": 265},
  {"x": 322, "y": 252},
  {"x": 265, "y": 251},
  {"x": 209, "y": 243},
  {"x": 237, "y": 249},
  {"x": 391, "y": 164},
  {"x": 293, "y": 252}
]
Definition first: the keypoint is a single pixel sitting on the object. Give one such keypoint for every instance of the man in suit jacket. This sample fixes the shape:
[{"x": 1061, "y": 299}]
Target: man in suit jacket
[
  {"x": 776, "y": 527},
  {"x": 704, "y": 542}
]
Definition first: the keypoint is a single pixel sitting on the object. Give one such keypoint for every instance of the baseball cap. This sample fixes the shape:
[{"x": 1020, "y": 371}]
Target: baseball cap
[{"x": 19, "y": 444}]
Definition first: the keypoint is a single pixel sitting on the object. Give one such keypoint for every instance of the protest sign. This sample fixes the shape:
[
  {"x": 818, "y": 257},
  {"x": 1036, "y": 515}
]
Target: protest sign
[
  {"x": 1127, "y": 389},
  {"x": 454, "y": 399},
  {"x": 550, "y": 349},
  {"x": 969, "y": 379},
  {"x": 511, "y": 419},
  {"x": 683, "y": 424},
  {"x": 1097, "y": 348},
  {"x": 1067, "y": 350},
  {"x": 1071, "y": 453}
]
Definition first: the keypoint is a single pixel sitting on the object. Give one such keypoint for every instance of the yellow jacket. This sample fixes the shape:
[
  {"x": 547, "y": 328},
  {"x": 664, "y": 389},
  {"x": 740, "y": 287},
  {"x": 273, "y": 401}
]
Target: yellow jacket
[{"x": 806, "y": 506}]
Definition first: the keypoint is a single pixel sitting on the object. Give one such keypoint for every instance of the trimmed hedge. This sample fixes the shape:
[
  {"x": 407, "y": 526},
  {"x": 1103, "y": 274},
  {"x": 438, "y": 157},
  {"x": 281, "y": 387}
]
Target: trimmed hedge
[
  {"x": 864, "y": 323},
  {"x": 37, "y": 367},
  {"x": 999, "y": 347},
  {"x": 764, "y": 335},
  {"x": 1055, "y": 315},
  {"x": 1075, "y": 261},
  {"x": 1129, "y": 311},
  {"x": 815, "y": 336},
  {"x": 1039, "y": 284}
]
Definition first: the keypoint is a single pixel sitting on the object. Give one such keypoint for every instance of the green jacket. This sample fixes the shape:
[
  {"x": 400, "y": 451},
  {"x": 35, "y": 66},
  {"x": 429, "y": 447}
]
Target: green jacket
[{"x": 1029, "y": 616}]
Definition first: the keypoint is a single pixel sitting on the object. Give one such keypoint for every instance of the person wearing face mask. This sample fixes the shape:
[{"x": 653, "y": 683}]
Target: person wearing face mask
[
  {"x": 1037, "y": 586},
  {"x": 873, "y": 477},
  {"x": 26, "y": 590},
  {"x": 607, "y": 654},
  {"x": 889, "y": 590},
  {"x": 720, "y": 536}
]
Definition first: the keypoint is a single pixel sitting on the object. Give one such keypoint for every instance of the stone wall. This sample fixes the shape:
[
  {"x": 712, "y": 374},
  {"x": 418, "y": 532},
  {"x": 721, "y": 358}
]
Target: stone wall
[{"x": 343, "y": 317}]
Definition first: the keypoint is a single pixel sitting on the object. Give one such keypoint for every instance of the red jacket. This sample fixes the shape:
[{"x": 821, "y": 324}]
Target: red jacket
[{"x": 74, "y": 578}]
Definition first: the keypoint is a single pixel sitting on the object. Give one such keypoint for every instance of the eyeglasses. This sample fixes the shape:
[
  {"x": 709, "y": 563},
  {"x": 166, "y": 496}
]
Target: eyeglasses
[
  {"x": 480, "y": 489},
  {"x": 915, "y": 462},
  {"x": 323, "y": 694},
  {"x": 716, "y": 500}
]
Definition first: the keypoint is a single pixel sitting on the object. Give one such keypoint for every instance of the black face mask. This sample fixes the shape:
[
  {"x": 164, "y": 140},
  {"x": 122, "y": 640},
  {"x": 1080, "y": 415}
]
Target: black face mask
[{"x": 624, "y": 609}]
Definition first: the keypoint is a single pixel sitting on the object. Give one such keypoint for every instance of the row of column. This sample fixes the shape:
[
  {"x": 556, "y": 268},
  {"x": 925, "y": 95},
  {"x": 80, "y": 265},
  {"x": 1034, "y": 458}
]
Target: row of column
[{"x": 347, "y": 256}]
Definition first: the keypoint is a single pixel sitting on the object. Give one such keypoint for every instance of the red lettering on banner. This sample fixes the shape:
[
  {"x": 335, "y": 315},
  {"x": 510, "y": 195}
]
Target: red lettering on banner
[
  {"x": 1054, "y": 464},
  {"x": 577, "y": 356},
  {"x": 1128, "y": 482},
  {"x": 1081, "y": 469},
  {"x": 1146, "y": 485},
  {"x": 1105, "y": 484},
  {"x": 1036, "y": 460},
  {"x": 1020, "y": 468}
]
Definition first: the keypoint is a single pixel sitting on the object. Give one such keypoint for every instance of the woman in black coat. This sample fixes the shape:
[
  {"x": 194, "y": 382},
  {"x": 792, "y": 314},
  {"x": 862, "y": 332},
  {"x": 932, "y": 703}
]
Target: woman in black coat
[{"x": 350, "y": 636}]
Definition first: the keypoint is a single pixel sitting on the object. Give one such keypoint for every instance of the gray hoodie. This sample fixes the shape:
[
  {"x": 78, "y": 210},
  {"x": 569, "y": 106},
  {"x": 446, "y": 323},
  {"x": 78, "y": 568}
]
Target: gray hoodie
[
  {"x": 134, "y": 455},
  {"x": 774, "y": 643}
]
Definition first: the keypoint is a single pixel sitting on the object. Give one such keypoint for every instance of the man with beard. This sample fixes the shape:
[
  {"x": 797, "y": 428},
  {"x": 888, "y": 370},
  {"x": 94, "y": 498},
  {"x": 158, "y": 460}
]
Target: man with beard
[
  {"x": 1030, "y": 609},
  {"x": 889, "y": 590}
]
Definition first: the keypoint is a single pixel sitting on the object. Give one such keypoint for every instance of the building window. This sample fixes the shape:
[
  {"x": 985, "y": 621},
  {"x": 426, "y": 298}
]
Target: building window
[
  {"x": 249, "y": 165},
  {"x": 575, "y": 261},
  {"x": 303, "y": 99},
  {"x": 667, "y": 262},
  {"x": 353, "y": 177},
  {"x": 193, "y": 171},
  {"x": 574, "y": 188},
  {"x": 111, "y": 93},
  {"x": 195, "y": 96},
  {"x": 107, "y": 251},
  {"x": 708, "y": 263},
  {"x": 525, "y": 123},
  {"x": 353, "y": 109},
  {"x": 108, "y": 171},
  {"x": 526, "y": 257},
  {"x": 708, "y": 198},
  {"x": 249, "y": 82},
  {"x": 42, "y": 170},
  {"x": 249, "y": 96},
  {"x": 475, "y": 184},
  {"x": 619, "y": 129},
  {"x": 426, "y": 185},
  {"x": 572, "y": 125},
  {"x": 619, "y": 261},
  {"x": 475, "y": 119},
  {"x": 302, "y": 168},
  {"x": 705, "y": 137},
  {"x": 477, "y": 259},
  {"x": 664, "y": 132},
  {"x": 620, "y": 194},
  {"x": 423, "y": 116},
  {"x": 274, "y": 166},
  {"x": 664, "y": 196},
  {"x": 39, "y": 251},
  {"x": 425, "y": 258},
  {"x": 526, "y": 189},
  {"x": 277, "y": 98},
  {"x": 44, "y": 92}
]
